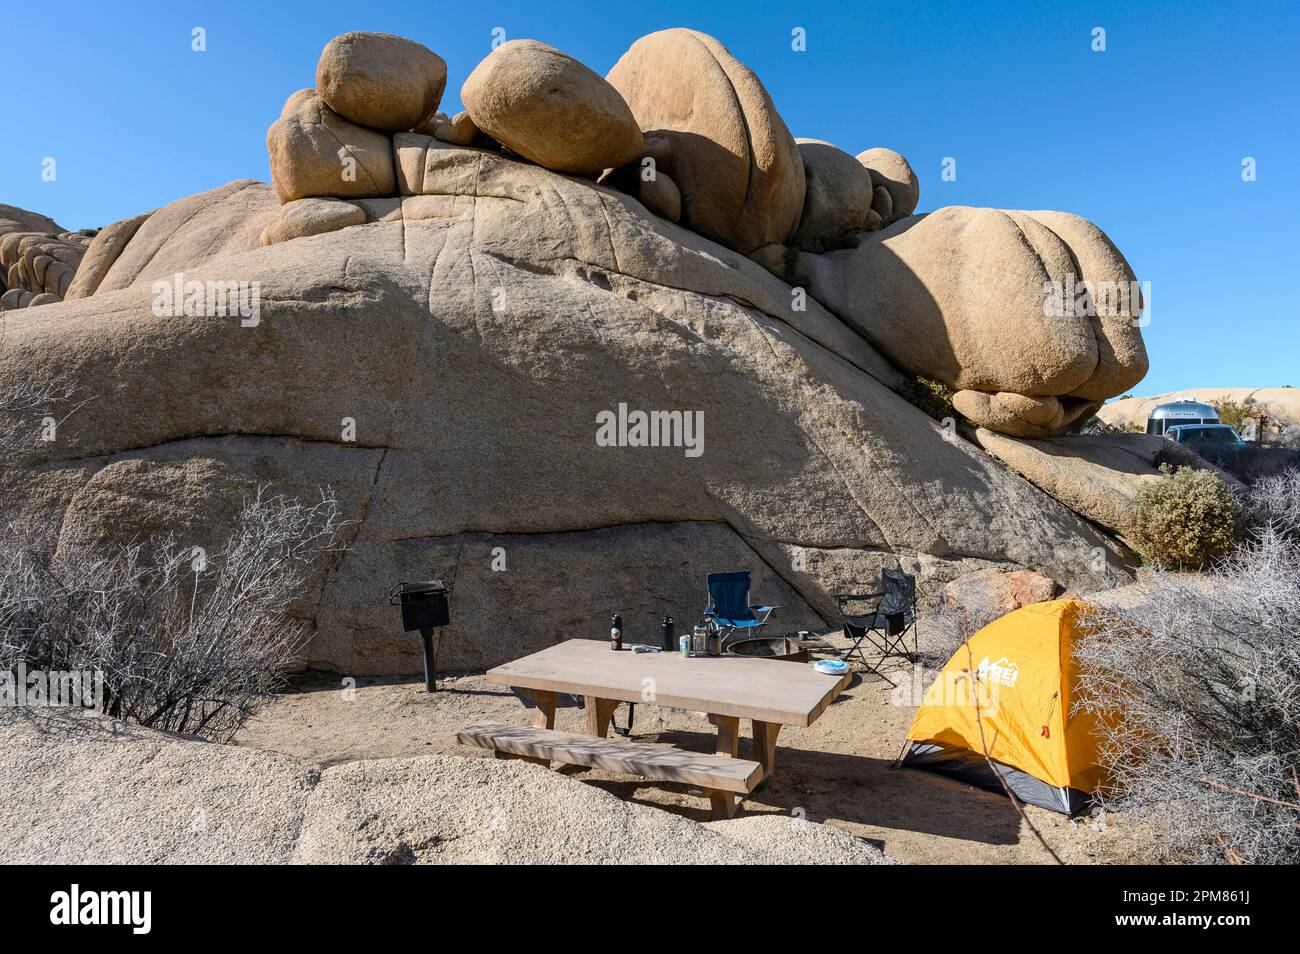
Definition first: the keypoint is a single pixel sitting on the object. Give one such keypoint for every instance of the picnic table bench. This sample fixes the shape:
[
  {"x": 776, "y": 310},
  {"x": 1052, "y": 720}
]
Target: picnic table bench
[{"x": 727, "y": 689}]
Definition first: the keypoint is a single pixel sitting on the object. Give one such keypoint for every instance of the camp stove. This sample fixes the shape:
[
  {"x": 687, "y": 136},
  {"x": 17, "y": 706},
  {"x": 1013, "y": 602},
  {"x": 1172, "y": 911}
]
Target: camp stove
[{"x": 424, "y": 609}]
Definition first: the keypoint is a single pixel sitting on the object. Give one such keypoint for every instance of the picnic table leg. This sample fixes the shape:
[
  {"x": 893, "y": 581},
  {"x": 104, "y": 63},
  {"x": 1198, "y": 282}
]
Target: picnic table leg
[
  {"x": 599, "y": 712},
  {"x": 543, "y": 718},
  {"x": 765, "y": 746},
  {"x": 728, "y": 744}
]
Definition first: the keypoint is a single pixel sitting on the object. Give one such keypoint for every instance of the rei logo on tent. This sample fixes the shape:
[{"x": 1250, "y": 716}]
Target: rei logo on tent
[{"x": 1001, "y": 673}]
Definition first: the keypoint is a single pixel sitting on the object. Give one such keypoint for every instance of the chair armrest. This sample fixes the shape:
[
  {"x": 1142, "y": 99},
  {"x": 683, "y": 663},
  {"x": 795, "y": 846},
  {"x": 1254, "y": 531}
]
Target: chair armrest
[
  {"x": 765, "y": 608},
  {"x": 846, "y": 597}
]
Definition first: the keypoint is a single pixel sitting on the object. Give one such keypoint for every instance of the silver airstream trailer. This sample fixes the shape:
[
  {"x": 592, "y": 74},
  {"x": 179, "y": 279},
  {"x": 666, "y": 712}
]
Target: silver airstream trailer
[{"x": 1165, "y": 416}]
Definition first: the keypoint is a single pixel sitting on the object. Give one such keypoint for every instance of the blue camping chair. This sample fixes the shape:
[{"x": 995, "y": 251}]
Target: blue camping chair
[{"x": 729, "y": 607}]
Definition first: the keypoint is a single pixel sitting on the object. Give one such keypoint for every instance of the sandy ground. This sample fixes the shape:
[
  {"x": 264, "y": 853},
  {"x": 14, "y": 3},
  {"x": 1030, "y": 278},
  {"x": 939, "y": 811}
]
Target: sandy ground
[{"x": 838, "y": 770}]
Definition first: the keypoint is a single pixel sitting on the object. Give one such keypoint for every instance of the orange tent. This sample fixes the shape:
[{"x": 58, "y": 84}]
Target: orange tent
[{"x": 1008, "y": 692}]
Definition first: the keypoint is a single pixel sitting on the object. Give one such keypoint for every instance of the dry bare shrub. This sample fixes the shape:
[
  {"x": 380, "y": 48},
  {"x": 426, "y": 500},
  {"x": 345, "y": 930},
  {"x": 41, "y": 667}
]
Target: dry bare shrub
[
  {"x": 1274, "y": 501},
  {"x": 948, "y": 627},
  {"x": 183, "y": 646},
  {"x": 1205, "y": 676},
  {"x": 23, "y": 407},
  {"x": 1187, "y": 519}
]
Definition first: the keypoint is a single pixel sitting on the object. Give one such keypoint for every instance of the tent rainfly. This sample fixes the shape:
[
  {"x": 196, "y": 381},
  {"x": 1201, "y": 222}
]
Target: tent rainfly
[{"x": 1010, "y": 696}]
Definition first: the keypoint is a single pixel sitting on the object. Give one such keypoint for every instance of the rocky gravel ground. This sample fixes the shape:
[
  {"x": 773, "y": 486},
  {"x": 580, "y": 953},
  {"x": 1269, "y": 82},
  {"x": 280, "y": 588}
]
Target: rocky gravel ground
[{"x": 87, "y": 790}]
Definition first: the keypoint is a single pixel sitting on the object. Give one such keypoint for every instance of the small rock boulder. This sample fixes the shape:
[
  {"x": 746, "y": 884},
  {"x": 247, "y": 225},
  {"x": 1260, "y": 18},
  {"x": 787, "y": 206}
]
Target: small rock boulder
[
  {"x": 1021, "y": 415},
  {"x": 661, "y": 196},
  {"x": 892, "y": 171},
  {"x": 649, "y": 185},
  {"x": 882, "y": 203},
  {"x": 316, "y": 152},
  {"x": 719, "y": 136},
  {"x": 986, "y": 595},
  {"x": 15, "y": 298},
  {"x": 549, "y": 108},
  {"x": 837, "y": 193},
  {"x": 459, "y": 130},
  {"x": 311, "y": 217},
  {"x": 380, "y": 80}
]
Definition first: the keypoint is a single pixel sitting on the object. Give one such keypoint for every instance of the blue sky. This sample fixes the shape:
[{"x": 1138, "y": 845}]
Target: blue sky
[{"x": 1146, "y": 139}]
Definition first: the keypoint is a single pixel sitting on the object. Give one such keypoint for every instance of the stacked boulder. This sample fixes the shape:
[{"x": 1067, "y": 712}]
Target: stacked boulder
[
  {"x": 38, "y": 258},
  {"x": 333, "y": 146},
  {"x": 703, "y": 146},
  {"x": 334, "y": 142},
  {"x": 547, "y": 107},
  {"x": 711, "y": 126},
  {"x": 837, "y": 194},
  {"x": 688, "y": 130},
  {"x": 845, "y": 196},
  {"x": 895, "y": 188}
]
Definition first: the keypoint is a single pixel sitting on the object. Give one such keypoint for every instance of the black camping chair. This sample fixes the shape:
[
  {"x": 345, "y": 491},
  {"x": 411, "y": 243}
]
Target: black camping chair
[{"x": 885, "y": 622}]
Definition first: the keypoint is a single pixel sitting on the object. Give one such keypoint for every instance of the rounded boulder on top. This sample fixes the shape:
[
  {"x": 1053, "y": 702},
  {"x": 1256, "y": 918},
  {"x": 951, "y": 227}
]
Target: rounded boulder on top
[
  {"x": 549, "y": 108},
  {"x": 719, "y": 135},
  {"x": 379, "y": 80}
]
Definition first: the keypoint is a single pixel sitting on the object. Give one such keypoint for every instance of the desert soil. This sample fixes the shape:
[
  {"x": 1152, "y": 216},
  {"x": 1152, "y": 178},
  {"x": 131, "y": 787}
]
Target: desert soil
[{"x": 838, "y": 770}]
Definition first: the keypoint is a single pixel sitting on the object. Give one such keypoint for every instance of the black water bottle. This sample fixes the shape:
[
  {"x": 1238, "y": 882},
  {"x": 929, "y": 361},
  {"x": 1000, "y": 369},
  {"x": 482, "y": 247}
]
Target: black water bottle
[
  {"x": 668, "y": 632},
  {"x": 616, "y": 633}
]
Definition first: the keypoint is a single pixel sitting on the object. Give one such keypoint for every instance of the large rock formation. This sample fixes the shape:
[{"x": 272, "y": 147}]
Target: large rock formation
[
  {"x": 526, "y": 384},
  {"x": 1097, "y": 476},
  {"x": 38, "y": 258},
  {"x": 474, "y": 339},
  {"x": 964, "y": 296}
]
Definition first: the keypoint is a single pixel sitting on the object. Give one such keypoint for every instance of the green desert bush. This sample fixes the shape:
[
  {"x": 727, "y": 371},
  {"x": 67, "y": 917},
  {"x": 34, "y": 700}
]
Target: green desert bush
[
  {"x": 1187, "y": 519},
  {"x": 1236, "y": 413},
  {"x": 931, "y": 396}
]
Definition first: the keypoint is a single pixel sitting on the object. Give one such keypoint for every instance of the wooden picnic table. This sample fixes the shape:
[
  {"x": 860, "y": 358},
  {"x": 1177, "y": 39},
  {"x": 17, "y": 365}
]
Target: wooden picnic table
[{"x": 770, "y": 693}]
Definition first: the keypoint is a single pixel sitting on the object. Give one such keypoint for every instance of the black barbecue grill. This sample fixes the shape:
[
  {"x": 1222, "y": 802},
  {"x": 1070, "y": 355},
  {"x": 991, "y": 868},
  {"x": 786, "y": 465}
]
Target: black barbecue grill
[{"x": 424, "y": 609}]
